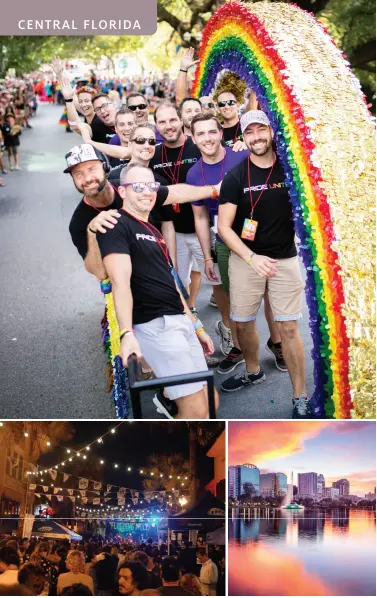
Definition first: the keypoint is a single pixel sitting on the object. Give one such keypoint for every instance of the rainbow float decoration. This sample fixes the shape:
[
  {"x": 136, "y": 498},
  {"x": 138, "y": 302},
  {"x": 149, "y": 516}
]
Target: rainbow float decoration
[
  {"x": 325, "y": 139},
  {"x": 117, "y": 381}
]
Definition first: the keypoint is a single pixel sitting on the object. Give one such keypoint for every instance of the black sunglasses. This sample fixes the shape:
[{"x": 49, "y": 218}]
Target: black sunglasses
[
  {"x": 137, "y": 107},
  {"x": 226, "y": 103},
  {"x": 207, "y": 104},
  {"x": 143, "y": 140}
]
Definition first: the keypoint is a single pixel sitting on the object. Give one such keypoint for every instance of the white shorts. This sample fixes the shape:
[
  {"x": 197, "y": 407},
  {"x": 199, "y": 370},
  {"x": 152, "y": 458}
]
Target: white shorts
[
  {"x": 190, "y": 257},
  {"x": 170, "y": 347}
]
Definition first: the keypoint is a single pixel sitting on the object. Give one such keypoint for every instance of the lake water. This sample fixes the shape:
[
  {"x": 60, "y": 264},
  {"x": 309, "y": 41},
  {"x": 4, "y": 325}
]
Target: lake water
[{"x": 310, "y": 553}]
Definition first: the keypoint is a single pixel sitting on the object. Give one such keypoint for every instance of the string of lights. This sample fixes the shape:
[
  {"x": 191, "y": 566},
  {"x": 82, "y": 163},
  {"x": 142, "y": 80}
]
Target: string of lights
[{"x": 143, "y": 471}]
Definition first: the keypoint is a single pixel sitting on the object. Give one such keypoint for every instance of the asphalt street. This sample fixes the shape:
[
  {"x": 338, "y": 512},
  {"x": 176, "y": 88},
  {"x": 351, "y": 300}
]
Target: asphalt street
[{"x": 51, "y": 358}]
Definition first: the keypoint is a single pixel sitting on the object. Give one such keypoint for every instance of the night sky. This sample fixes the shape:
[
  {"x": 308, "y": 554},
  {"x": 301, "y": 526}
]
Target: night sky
[{"x": 131, "y": 445}]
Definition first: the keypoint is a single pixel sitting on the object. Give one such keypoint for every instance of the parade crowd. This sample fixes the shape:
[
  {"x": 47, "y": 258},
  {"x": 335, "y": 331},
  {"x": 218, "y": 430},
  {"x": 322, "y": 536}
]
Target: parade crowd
[
  {"x": 63, "y": 568},
  {"x": 190, "y": 193}
]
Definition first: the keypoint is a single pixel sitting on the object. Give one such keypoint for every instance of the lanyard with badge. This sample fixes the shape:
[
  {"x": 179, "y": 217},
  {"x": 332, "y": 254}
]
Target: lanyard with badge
[{"x": 250, "y": 225}]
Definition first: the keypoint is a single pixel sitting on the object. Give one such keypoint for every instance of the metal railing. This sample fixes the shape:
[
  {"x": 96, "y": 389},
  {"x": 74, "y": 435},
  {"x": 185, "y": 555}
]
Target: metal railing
[{"x": 136, "y": 385}]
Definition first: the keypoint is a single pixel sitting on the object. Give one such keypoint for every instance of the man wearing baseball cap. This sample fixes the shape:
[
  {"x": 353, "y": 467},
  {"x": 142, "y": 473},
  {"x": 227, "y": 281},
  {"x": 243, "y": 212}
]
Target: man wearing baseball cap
[
  {"x": 98, "y": 209},
  {"x": 255, "y": 221}
]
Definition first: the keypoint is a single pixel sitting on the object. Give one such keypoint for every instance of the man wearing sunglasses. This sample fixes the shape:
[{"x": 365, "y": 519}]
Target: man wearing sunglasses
[
  {"x": 137, "y": 103},
  {"x": 119, "y": 153},
  {"x": 98, "y": 210},
  {"x": 153, "y": 317},
  {"x": 229, "y": 110}
]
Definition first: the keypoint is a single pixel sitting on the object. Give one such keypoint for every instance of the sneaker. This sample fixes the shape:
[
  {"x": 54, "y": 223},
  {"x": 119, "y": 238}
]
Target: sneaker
[
  {"x": 275, "y": 350},
  {"x": 225, "y": 334},
  {"x": 194, "y": 311},
  {"x": 242, "y": 380},
  {"x": 29, "y": 126},
  {"x": 212, "y": 362},
  {"x": 165, "y": 406},
  {"x": 231, "y": 361},
  {"x": 302, "y": 408},
  {"x": 212, "y": 301},
  {"x": 17, "y": 168}
]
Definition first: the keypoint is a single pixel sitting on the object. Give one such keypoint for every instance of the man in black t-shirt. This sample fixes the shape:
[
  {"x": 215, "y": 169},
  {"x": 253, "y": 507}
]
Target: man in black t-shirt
[
  {"x": 98, "y": 209},
  {"x": 229, "y": 110},
  {"x": 153, "y": 318},
  {"x": 103, "y": 124},
  {"x": 255, "y": 221},
  {"x": 173, "y": 159}
]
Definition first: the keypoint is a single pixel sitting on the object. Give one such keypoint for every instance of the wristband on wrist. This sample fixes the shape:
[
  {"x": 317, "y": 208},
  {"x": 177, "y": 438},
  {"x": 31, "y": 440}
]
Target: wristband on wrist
[
  {"x": 199, "y": 331},
  {"x": 73, "y": 123},
  {"x": 250, "y": 257},
  {"x": 125, "y": 332},
  {"x": 198, "y": 325},
  {"x": 214, "y": 192},
  {"x": 208, "y": 259},
  {"x": 91, "y": 231},
  {"x": 69, "y": 100},
  {"x": 182, "y": 71}
]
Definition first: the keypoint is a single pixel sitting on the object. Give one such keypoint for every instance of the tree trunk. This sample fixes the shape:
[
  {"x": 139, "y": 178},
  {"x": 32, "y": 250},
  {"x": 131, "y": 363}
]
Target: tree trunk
[{"x": 194, "y": 483}]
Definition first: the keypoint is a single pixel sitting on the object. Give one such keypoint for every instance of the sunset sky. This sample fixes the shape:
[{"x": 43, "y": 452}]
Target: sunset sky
[{"x": 335, "y": 449}]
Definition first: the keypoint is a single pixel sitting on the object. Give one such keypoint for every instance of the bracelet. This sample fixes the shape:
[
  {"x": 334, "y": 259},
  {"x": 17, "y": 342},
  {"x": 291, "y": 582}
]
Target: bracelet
[
  {"x": 198, "y": 324},
  {"x": 199, "y": 331},
  {"x": 124, "y": 333},
  {"x": 215, "y": 195},
  {"x": 182, "y": 71},
  {"x": 250, "y": 257},
  {"x": 73, "y": 123},
  {"x": 69, "y": 100},
  {"x": 208, "y": 259},
  {"x": 91, "y": 231}
]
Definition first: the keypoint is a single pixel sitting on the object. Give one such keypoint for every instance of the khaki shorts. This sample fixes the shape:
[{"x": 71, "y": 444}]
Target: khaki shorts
[{"x": 247, "y": 289}]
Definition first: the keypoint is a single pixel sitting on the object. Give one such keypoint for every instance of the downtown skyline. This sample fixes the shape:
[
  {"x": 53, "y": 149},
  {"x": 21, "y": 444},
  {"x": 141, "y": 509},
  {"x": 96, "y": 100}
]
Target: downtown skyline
[{"x": 335, "y": 449}]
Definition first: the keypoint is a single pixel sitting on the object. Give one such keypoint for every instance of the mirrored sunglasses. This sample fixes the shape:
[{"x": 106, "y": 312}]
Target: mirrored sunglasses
[
  {"x": 207, "y": 104},
  {"x": 140, "y": 187}
]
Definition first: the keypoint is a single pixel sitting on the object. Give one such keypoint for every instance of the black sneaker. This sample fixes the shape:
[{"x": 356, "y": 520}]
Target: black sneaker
[
  {"x": 275, "y": 349},
  {"x": 241, "y": 380},
  {"x": 233, "y": 359},
  {"x": 302, "y": 408},
  {"x": 165, "y": 406}
]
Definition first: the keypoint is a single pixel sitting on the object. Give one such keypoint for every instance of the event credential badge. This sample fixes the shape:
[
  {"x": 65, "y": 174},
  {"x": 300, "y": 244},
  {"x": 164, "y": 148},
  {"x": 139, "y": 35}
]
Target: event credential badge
[{"x": 249, "y": 229}]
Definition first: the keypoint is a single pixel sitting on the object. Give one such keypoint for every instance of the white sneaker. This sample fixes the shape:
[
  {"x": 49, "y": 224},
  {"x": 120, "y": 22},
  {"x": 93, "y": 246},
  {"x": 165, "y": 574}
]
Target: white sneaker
[
  {"x": 161, "y": 408},
  {"x": 226, "y": 343}
]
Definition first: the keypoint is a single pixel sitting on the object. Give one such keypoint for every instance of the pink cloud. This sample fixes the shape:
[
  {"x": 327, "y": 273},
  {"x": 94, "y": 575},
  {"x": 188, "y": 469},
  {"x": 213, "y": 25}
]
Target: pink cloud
[{"x": 255, "y": 442}]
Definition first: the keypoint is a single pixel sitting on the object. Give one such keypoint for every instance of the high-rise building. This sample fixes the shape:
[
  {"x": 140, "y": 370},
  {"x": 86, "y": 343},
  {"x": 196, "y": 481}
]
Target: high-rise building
[
  {"x": 243, "y": 479},
  {"x": 331, "y": 492},
  {"x": 273, "y": 484},
  {"x": 370, "y": 496},
  {"x": 320, "y": 484},
  {"x": 307, "y": 483},
  {"x": 281, "y": 484},
  {"x": 343, "y": 486},
  {"x": 267, "y": 484}
]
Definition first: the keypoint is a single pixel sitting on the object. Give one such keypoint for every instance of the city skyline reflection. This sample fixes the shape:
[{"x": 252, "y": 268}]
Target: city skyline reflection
[{"x": 314, "y": 552}]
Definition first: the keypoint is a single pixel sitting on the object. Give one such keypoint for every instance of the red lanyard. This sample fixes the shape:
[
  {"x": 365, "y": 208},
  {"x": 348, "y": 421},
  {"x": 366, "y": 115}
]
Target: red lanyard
[
  {"x": 253, "y": 205},
  {"x": 159, "y": 239},
  {"x": 94, "y": 208},
  {"x": 173, "y": 175},
  {"x": 222, "y": 169}
]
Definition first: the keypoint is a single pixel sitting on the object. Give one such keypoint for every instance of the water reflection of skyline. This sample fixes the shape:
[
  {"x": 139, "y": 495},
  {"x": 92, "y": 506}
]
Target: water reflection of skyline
[
  {"x": 331, "y": 552},
  {"x": 274, "y": 523}
]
